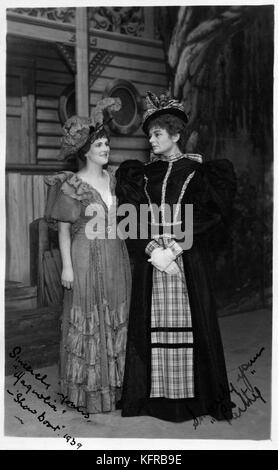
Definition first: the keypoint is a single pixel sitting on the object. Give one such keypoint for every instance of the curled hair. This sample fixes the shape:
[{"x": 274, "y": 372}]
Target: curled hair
[
  {"x": 102, "y": 133},
  {"x": 173, "y": 125}
]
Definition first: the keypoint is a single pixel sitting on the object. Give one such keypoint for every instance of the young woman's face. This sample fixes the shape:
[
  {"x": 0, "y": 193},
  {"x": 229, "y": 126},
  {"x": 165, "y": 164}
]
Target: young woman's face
[
  {"x": 99, "y": 151},
  {"x": 162, "y": 143}
]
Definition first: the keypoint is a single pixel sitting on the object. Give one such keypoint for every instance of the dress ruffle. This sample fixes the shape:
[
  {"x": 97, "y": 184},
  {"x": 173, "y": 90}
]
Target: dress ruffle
[
  {"x": 83, "y": 326},
  {"x": 72, "y": 185},
  {"x": 67, "y": 194},
  {"x": 82, "y": 381},
  {"x": 51, "y": 180}
]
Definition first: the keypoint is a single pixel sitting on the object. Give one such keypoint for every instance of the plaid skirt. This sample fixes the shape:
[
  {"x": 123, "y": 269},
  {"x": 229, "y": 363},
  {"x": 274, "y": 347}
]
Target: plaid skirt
[{"x": 171, "y": 335}]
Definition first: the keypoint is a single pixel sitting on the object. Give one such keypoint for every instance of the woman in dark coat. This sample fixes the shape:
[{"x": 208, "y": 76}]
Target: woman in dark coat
[{"x": 175, "y": 367}]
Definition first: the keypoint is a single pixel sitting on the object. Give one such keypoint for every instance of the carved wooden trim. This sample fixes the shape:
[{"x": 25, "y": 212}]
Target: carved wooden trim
[
  {"x": 67, "y": 52},
  {"x": 128, "y": 21},
  {"x": 98, "y": 64},
  {"x": 51, "y": 31},
  {"x": 70, "y": 28},
  {"x": 61, "y": 15}
]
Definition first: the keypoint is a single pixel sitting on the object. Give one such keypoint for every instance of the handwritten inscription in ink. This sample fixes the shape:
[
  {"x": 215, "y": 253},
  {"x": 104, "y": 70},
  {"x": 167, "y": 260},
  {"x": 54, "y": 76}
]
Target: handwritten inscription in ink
[
  {"x": 23, "y": 372},
  {"x": 246, "y": 392}
]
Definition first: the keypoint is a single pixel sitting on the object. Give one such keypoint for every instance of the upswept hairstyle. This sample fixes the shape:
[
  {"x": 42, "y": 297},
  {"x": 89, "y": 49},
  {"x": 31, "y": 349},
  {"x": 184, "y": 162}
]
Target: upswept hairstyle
[{"x": 173, "y": 125}]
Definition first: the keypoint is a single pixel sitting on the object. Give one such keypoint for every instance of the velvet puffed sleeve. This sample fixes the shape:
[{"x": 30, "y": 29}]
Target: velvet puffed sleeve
[
  {"x": 212, "y": 192},
  {"x": 61, "y": 206},
  {"x": 130, "y": 182}
]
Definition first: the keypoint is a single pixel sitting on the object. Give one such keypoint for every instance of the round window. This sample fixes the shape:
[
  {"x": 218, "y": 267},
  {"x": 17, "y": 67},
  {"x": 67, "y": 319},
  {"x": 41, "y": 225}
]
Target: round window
[
  {"x": 67, "y": 103},
  {"x": 128, "y": 119}
]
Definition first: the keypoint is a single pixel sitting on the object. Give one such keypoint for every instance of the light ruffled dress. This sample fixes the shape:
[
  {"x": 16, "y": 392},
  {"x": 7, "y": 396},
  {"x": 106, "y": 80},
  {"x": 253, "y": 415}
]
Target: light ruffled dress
[{"x": 95, "y": 313}]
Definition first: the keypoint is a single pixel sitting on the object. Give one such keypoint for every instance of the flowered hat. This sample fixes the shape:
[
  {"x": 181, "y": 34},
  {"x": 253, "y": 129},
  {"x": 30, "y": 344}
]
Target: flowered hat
[
  {"x": 78, "y": 130},
  {"x": 163, "y": 104}
]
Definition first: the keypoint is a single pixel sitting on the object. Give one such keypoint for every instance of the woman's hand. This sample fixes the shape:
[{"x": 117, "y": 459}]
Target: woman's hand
[
  {"x": 67, "y": 277},
  {"x": 173, "y": 269},
  {"x": 161, "y": 258}
]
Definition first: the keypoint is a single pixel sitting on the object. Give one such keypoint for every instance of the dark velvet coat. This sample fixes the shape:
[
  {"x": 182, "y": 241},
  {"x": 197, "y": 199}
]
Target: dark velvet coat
[{"x": 211, "y": 191}]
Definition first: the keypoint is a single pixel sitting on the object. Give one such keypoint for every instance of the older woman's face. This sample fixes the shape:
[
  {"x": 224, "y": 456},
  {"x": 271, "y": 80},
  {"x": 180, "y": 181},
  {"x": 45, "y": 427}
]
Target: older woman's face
[
  {"x": 162, "y": 143},
  {"x": 99, "y": 151}
]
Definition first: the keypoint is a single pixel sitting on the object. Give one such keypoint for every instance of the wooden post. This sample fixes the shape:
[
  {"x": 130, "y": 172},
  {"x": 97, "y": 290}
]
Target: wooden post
[
  {"x": 82, "y": 58},
  {"x": 148, "y": 22}
]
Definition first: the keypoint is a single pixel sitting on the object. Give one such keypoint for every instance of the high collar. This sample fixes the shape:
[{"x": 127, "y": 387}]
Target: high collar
[
  {"x": 174, "y": 158},
  {"x": 190, "y": 156},
  {"x": 178, "y": 169},
  {"x": 171, "y": 158}
]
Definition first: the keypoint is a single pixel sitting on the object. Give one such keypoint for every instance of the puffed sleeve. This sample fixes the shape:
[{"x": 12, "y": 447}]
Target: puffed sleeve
[
  {"x": 60, "y": 206},
  {"x": 130, "y": 190},
  {"x": 212, "y": 193},
  {"x": 130, "y": 182}
]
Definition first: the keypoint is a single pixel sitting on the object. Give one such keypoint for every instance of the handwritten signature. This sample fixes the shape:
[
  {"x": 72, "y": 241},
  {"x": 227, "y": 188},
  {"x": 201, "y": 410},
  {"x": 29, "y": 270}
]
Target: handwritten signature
[
  {"x": 247, "y": 393},
  {"x": 19, "y": 398},
  {"x": 247, "y": 401},
  {"x": 15, "y": 354}
]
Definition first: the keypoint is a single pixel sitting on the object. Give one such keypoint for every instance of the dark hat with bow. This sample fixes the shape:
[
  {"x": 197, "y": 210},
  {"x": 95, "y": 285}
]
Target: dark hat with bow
[
  {"x": 163, "y": 104},
  {"x": 79, "y": 130}
]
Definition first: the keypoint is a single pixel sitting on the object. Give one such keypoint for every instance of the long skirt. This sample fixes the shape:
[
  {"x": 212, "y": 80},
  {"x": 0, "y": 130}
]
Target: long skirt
[{"x": 94, "y": 324}]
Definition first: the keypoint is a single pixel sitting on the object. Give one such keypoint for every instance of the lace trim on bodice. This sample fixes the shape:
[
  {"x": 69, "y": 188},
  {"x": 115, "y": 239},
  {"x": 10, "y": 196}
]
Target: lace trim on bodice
[
  {"x": 75, "y": 187},
  {"x": 175, "y": 220}
]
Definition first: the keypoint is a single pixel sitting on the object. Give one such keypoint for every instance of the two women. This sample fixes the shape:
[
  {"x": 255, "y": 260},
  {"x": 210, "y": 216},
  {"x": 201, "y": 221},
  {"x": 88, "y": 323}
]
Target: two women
[
  {"x": 175, "y": 368},
  {"x": 82, "y": 205}
]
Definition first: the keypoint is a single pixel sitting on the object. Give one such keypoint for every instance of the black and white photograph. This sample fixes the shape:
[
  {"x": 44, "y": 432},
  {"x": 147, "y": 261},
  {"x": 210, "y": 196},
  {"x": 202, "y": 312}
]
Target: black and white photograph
[{"x": 137, "y": 219}]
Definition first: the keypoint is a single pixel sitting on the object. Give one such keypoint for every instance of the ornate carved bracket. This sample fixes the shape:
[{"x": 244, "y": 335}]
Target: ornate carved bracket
[
  {"x": 67, "y": 53},
  {"x": 98, "y": 64}
]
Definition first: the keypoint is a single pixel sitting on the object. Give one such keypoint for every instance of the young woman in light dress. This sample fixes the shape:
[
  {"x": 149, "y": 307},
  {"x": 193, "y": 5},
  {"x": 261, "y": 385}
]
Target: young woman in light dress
[{"x": 95, "y": 270}]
